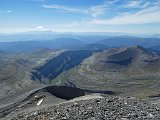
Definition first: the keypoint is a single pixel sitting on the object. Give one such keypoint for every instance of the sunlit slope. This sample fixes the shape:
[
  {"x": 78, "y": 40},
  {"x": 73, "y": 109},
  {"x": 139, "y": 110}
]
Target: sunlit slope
[{"x": 129, "y": 71}]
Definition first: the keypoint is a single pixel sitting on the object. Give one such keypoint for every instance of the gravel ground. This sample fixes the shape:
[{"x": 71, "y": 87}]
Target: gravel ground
[{"x": 110, "y": 108}]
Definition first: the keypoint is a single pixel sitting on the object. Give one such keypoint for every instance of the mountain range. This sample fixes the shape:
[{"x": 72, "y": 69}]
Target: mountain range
[
  {"x": 77, "y": 42},
  {"x": 127, "y": 70},
  {"x": 38, "y": 72}
]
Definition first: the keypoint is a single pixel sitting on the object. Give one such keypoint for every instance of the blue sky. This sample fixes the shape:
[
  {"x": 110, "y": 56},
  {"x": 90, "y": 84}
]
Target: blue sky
[{"x": 127, "y": 16}]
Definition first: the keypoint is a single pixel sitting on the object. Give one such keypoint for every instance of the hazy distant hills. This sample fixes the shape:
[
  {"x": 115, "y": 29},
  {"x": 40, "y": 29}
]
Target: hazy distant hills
[
  {"x": 127, "y": 70},
  {"x": 2, "y": 52},
  {"x": 48, "y": 35},
  {"x": 120, "y": 41},
  {"x": 73, "y": 42},
  {"x": 88, "y": 37},
  {"x": 92, "y": 46},
  {"x": 30, "y": 46},
  {"x": 157, "y": 47},
  {"x": 104, "y": 63}
]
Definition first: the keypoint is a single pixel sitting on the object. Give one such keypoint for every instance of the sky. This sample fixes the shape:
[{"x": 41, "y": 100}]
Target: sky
[{"x": 126, "y": 16}]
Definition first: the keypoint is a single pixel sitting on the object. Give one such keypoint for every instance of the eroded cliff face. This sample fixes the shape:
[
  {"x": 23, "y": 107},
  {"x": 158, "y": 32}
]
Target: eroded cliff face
[{"x": 54, "y": 67}]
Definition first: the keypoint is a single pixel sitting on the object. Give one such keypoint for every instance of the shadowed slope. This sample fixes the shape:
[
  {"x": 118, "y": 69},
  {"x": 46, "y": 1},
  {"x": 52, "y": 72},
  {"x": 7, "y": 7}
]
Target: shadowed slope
[{"x": 54, "y": 67}]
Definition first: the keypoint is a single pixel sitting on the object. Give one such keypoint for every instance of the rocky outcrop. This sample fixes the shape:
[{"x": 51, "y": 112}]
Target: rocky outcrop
[{"x": 93, "y": 108}]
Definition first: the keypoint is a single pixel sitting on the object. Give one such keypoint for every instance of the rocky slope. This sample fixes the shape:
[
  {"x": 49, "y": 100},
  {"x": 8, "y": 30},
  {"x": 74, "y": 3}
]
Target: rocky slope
[
  {"x": 34, "y": 96},
  {"x": 127, "y": 71},
  {"x": 92, "y": 107},
  {"x": 15, "y": 70},
  {"x": 12, "y": 79},
  {"x": 57, "y": 65}
]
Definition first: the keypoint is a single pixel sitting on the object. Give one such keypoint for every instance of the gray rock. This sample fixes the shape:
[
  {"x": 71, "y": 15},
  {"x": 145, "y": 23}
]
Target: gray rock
[{"x": 110, "y": 108}]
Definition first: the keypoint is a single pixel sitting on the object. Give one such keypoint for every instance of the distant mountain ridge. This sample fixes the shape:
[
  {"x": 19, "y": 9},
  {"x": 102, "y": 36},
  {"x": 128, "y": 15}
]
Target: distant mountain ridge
[
  {"x": 30, "y": 46},
  {"x": 121, "y": 41},
  {"x": 125, "y": 70},
  {"x": 73, "y": 42}
]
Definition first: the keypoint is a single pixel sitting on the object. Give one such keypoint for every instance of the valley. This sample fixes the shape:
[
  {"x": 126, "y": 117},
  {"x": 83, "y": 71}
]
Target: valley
[
  {"x": 124, "y": 70},
  {"x": 132, "y": 70},
  {"x": 41, "y": 77},
  {"x": 54, "y": 67}
]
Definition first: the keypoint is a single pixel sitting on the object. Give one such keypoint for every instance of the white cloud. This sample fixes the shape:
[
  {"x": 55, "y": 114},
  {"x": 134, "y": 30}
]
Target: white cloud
[
  {"x": 147, "y": 12},
  {"x": 97, "y": 10},
  {"x": 145, "y": 5},
  {"x": 64, "y": 8},
  {"x": 41, "y": 28},
  {"x": 5, "y": 11},
  {"x": 133, "y": 4},
  {"x": 94, "y": 11},
  {"x": 148, "y": 15},
  {"x": 140, "y": 4}
]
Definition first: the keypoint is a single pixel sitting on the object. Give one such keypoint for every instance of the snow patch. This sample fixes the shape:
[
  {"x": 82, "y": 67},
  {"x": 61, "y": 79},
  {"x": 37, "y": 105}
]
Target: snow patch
[{"x": 40, "y": 102}]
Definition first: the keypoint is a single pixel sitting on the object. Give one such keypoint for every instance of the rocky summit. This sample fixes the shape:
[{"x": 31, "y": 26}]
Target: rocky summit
[{"x": 93, "y": 107}]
